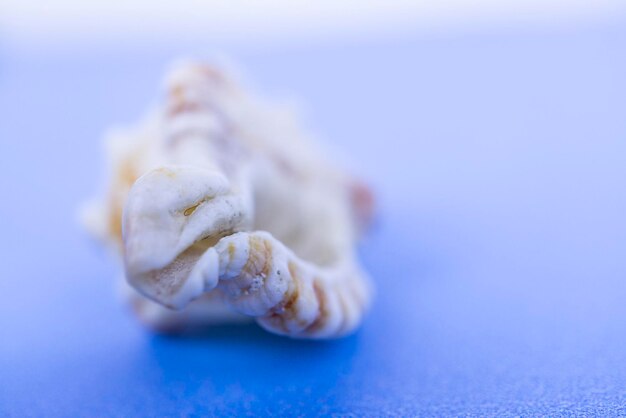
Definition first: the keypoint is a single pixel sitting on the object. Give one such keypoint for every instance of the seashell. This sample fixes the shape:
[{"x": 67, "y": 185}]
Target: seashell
[{"x": 222, "y": 210}]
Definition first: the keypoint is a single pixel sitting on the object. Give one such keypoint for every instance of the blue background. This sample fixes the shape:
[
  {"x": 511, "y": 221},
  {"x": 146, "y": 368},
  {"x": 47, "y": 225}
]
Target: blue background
[{"x": 499, "y": 161}]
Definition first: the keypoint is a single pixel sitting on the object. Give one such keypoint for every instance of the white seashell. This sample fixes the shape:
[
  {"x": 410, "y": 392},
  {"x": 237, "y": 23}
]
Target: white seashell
[{"x": 221, "y": 210}]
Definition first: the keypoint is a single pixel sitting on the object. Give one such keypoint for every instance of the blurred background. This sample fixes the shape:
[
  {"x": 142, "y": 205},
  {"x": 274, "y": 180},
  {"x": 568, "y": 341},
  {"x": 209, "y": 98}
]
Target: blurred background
[{"x": 494, "y": 135}]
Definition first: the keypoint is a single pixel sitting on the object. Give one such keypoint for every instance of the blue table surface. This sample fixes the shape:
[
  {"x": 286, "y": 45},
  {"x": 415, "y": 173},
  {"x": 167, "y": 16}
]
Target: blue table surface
[{"x": 499, "y": 161}]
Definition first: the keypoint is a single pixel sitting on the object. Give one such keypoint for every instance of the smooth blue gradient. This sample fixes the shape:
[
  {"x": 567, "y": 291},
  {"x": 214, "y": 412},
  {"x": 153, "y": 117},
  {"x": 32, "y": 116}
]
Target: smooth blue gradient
[{"x": 499, "y": 160}]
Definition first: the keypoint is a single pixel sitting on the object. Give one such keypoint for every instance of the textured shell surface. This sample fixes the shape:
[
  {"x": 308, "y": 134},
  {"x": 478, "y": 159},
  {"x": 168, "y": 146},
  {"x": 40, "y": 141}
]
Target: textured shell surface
[{"x": 221, "y": 209}]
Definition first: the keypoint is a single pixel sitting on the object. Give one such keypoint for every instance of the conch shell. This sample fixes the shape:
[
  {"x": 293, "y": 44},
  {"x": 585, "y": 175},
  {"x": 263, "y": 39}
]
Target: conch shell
[{"x": 221, "y": 209}]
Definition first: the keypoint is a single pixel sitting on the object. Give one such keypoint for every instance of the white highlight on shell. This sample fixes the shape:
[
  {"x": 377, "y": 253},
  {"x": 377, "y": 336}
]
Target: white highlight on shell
[{"x": 221, "y": 209}]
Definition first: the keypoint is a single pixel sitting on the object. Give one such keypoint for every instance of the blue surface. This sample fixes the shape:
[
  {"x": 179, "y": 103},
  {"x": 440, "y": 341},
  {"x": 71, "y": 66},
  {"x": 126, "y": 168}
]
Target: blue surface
[{"x": 499, "y": 160}]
